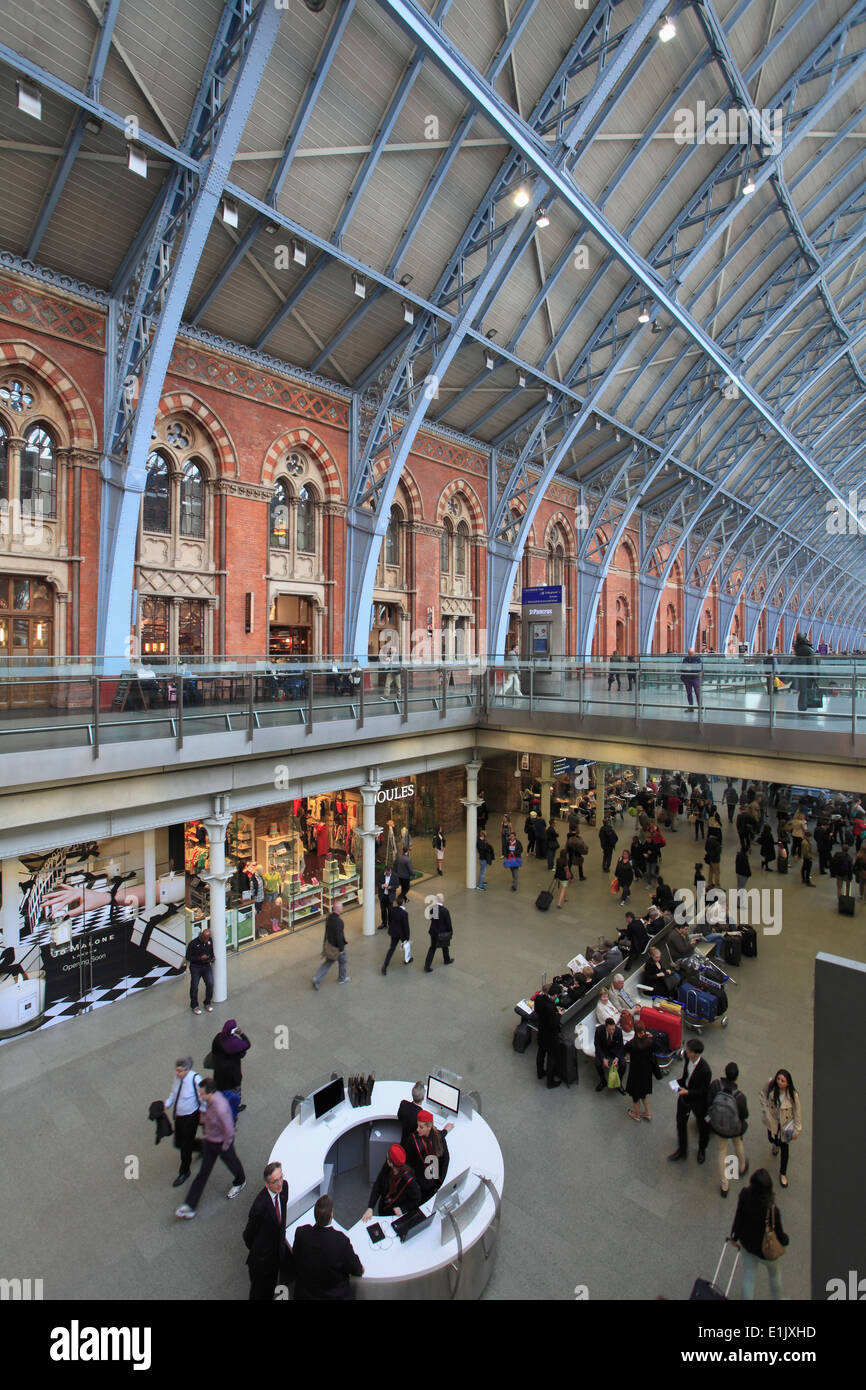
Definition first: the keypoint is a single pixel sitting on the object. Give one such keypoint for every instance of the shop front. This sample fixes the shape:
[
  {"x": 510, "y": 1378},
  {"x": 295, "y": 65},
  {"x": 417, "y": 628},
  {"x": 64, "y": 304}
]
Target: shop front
[{"x": 291, "y": 630}]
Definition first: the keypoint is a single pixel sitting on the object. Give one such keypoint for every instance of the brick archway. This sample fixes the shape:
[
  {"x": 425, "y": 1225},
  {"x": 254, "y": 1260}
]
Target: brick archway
[
  {"x": 459, "y": 487},
  {"x": 182, "y": 401},
  {"x": 561, "y": 520},
  {"x": 410, "y": 488},
  {"x": 303, "y": 439},
  {"x": 82, "y": 427}
]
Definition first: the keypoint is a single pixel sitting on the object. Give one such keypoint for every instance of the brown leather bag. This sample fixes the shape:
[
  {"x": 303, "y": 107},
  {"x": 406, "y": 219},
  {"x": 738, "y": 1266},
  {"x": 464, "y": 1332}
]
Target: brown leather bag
[{"x": 771, "y": 1247}]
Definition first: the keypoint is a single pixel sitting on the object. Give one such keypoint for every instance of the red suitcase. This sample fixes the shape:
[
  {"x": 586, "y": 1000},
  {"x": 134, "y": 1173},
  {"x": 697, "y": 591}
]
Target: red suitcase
[{"x": 663, "y": 1022}]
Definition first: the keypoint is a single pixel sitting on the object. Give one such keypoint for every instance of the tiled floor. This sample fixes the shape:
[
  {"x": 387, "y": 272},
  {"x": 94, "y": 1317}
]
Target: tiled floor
[{"x": 589, "y": 1199}]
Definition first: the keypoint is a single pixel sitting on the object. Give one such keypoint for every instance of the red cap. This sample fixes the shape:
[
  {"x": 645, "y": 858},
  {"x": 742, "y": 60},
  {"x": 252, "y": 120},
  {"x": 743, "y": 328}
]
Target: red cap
[
  {"x": 397, "y": 1154},
  {"x": 425, "y": 1117}
]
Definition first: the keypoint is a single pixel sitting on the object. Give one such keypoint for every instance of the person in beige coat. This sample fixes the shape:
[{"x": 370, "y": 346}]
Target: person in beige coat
[
  {"x": 781, "y": 1112},
  {"x": 798, "y": 830}
]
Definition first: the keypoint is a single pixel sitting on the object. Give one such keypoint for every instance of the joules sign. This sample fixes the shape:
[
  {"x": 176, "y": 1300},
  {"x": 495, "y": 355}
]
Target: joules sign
[{"x": 399, "y": 793}]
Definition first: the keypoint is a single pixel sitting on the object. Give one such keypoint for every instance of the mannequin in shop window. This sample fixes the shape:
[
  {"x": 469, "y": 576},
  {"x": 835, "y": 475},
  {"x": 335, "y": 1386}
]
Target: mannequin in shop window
[{"x": 390, "y": 843}]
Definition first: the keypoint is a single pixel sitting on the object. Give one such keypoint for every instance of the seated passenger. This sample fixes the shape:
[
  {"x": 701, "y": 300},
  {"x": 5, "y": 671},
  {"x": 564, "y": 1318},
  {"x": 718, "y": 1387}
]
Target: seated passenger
[
  {"x": 605, "y": 1008},
  {"x": 609, "y": 1048},
  {"x": 662, "y": 979}
]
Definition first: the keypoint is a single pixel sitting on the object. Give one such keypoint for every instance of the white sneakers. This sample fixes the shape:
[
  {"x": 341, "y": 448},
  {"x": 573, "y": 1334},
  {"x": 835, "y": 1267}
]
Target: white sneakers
[
  {"x": 185, "y": 1213},
  {"x": 234, "y": 1191}
]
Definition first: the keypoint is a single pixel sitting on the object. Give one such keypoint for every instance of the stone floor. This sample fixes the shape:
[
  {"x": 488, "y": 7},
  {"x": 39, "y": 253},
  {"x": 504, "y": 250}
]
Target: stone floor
[{"x": 589, "y": 1199}]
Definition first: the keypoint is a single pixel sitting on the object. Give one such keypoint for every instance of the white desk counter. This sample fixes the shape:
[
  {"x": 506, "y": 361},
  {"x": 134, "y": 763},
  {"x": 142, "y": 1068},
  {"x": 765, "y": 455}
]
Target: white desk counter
[{"x": 435, "y": 1263}]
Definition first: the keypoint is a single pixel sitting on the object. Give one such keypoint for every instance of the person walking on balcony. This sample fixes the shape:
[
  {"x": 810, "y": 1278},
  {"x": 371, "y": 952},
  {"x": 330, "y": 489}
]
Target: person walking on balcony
[
  {"x": 613, "y": 675},
  {"x": 511, "y": 684},
  {"x": 691, "y": 679}
]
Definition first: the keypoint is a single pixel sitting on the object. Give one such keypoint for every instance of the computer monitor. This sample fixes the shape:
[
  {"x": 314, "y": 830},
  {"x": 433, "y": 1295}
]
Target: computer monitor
[
  {"x": 448, "y": 1191},
  {"x": 328, "y": 1097},
  {"x": 441, "y": 1094}
]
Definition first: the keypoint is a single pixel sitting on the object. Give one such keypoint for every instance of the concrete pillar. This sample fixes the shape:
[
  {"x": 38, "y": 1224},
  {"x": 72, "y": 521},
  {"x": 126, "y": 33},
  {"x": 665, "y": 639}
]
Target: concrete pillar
[
  {"x": 149, "y": 872},
  {"x": 368, "y": 839},
  {"x": 641, "y": 776},
  {"x": 546, "y": 784},
  {"x": 600, "y": 770},
  {"x": 216, "y": 879},
  {"x": 471, "y": 802},
  {"x": 10, "y": 917}
]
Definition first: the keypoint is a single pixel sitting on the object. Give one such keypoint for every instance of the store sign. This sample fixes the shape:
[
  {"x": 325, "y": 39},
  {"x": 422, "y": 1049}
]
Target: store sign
[
  {"x": 543, "y": 601},
  {"x": 562, "y": 766},
  {"x": 399, "y": 793}
]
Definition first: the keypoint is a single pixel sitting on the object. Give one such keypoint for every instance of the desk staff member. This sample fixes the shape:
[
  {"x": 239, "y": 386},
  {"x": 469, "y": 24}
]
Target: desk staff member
[
  {"x": 395, "y": 1189},
  {"x": 408, "y": 1112},
  {"x": 427, "y": 1154}
]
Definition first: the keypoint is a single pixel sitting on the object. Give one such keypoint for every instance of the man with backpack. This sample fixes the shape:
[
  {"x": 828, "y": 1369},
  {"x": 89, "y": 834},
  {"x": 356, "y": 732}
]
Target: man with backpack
[{"x": 727, "y": 1116}]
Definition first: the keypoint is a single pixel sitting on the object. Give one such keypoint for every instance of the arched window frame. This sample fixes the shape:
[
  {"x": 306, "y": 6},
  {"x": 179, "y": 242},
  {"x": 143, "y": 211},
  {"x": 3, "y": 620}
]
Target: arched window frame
[
  {"x": 393, "y": 539},
  {"x": 38, "y": 478},
  {"x": 156, "y": 508},
  {"x": 4, "y": 462},
  {"x": 193, "y": 500},
  {"x": 446, "y": 542},
  {"x": 280, "y": 513},
  {"x": 305, "y": 520},
  {"x": 461, "y": 550}
]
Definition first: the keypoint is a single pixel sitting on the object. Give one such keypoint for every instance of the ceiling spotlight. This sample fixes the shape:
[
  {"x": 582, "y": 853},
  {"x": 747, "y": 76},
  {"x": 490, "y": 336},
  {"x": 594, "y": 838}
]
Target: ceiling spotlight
[
  {"x": 542, "y": 220},
  {"x": 30, "y": 98},
  {"x": 668, "y": 30},
  {"x": 408, "y": 312},
  {"x": 299, "y": 252},
  {"x": 271, "y": 228},
  {"x": 521, "y": 379},
  {"x": 617, "y": 436},
  {"x": 549, "y": 396},
  {"x": 406, "y": 280},
  {"x": 359, "y": 286},
  {"x": 643, "y": 316},
  {"x": 229, "y": 212},
  {"x": 521, "y": 197},
  {"x": 749, "y": 186},
  {"x": 93, "y": 125},
  {"x": 598, "y": 424},
  {"x": 488, "y": 361},
  {"x": 315, "y": 6},
  {"x": 136, "y": 160}
]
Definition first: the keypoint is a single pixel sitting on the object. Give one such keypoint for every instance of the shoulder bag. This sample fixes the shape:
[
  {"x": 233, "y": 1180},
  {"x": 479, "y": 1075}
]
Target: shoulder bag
[{"x": 771, "y": 1247}]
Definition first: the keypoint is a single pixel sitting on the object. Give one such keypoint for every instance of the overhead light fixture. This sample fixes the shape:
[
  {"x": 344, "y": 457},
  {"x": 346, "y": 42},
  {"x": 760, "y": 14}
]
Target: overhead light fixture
[
  {"x": 406, "y": 280},
  {"x": 299, "y": 252},
  {"x": 643, "y": 316},
  {"x": 136, "y": 160},
  {"x": 29, "y": 98},
  {"x": 229, "y": 212},
  {"x": 667, "y": 30},
  {"x": 549, "y": 396},
  {"x": 359, "y": 286},
  {"x": 271, "y": 228},
  {"x": 521, "y": 379},
  {"x": 315, "y": 6},
  {"x": 521, "y": 197},
  {"x": 542, "y": 220},
  {"x": 657, "y": 327},
  {"x": 617, "y": 436},
  {"x": 489, "y": 361},
  {"x": 598, "y": 424},
  {"x": 93, "y": 125},
  {"x": 749, "y": 186},
  {"x": 408, "y": 312}
]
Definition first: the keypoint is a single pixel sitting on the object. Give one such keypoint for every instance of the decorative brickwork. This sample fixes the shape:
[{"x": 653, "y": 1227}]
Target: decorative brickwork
[
  {"x": 48, "y": 313},
  {"x": 243, "y": 380},
  {"x": 82, "y": 428}
]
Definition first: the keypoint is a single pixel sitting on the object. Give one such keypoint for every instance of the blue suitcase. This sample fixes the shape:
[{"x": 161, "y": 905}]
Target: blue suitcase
[{"x": 698, "y": 1004}]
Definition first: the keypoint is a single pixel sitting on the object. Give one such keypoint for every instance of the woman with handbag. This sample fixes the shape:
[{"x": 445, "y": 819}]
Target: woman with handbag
[
  {"x": 439, "y": 847},
  {"x": 512, "y": 859},
  {"x": 758, "y": 1232},
  {"x": 780, "y": 1108}
]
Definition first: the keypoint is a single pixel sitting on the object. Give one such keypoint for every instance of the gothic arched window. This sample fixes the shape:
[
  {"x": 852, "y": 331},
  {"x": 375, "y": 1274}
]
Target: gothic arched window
[
  {"x": 192, "y": 501},
  {"x": 461, "y": 544},
  {"x": 39, "y": 470},
  {"x": 157, "y": 495},
  {"x": 392, "y": 539},
  {"x": 305, "y": 527},
  {"x": 280, "y": 517}
]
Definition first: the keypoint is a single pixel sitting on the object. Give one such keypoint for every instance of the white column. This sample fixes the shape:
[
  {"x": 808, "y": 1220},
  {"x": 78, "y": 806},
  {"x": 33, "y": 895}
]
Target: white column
[
  {"x": 600, "y": 770},
  {"x": 471, "y": 802},
  {"x": 546, "y": 785},
  {"x": 149, "y": 872},
  {"x": 641, "y": 776},
  {"x": 10, "y": 916},
  {"x": 216, "y": 879},
  {"x": 368, "y": 838}
]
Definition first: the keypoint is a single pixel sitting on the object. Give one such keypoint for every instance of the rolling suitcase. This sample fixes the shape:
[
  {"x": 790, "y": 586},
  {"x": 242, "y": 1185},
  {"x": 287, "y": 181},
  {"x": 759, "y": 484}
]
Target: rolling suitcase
[
  {"x": 545, "y": 898},
  {"x": 781, "y": 864},
  {"x": 846, "y": 904},
  {"x": 698, "y": 1004},
  {"x": 732, "y": 950},
  {"x": 566, "y": 1060},
  {"x": 713, "y": 987},
  {"x": 522, "y": 1037},
  {"x": 658, "y": 1021},
  {"x": 708, "y": 1290},
  {"x": 749, "y": 941}
]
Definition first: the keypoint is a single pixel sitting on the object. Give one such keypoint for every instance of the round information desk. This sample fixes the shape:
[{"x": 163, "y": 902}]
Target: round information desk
[{"x": 452, "y": 1258}]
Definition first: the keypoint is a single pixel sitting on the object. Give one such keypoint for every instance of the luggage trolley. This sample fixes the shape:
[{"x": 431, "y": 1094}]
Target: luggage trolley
[{"x": 700, "y": 1007}]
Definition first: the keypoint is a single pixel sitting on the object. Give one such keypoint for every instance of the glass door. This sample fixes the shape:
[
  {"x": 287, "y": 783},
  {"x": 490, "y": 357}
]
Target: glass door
[{"x": 26, "y": 631}]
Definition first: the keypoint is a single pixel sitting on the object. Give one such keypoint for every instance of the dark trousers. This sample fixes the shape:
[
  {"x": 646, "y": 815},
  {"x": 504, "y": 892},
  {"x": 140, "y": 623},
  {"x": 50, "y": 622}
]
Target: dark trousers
[
  {"x": 391, "y": 949},
  {"x": 783, "y": 1150},
  {"x": 604, "y": 1072},
  {"x": 731, "y": 810},
  {"x": 434, "y": 947},
  {"x": 263, "y": 1281},
  {"x": 404, "y": 889},
  {"x": 185, "y": 1127},
  {"x": 605, "y": 860},
  {"x": 684, "y": 1109},
  {"x": 806, "y": 871},
  {"x": 610, "y": 681},
  {"x": 548, "y": 1050},
  {"x": 385, "y": 907},
  {"x": 196, "y": 973},
  {"x": 210, "y": 1153},
  {"x": 692, "y": 688}
]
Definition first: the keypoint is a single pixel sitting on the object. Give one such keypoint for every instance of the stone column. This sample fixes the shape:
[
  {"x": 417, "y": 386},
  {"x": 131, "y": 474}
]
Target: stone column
[
  {"x": 600, "y": 770},
  {"x": 368, "y": 838},
  {"x": 149, "y": 839},
  {"x": 641, "y": 776},
  {"x": 216, "y": 879},
  {"x": 471, "y": 802},
  {"x": 10, "y": 916}
]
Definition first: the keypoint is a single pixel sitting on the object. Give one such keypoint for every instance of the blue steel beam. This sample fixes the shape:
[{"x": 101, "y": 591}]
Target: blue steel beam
[
  {"x": 76, "y": 135},
  {"x": 145, "y": 326},
  {"x": 299, "y": 126}
]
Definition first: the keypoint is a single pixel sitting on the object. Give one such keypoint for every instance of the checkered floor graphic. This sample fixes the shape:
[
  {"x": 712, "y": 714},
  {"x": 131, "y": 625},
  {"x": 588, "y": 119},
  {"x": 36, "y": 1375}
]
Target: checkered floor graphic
[{"x": 62, "y": 1009}]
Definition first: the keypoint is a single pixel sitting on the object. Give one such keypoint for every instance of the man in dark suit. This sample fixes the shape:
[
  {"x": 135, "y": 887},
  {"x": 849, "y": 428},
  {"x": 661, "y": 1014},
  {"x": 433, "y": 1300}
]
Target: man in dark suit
[
  {"x": 386, "y": 887},
  {"x": 407, "y": 1113},
  {"x": 269, "y": 1261},
  {"x": 692, "y": 1100},
  {"x": 324, "y": 1259},
  {"x": 549, "y": 1037},
  {"x": 609, "y": 1048}
]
